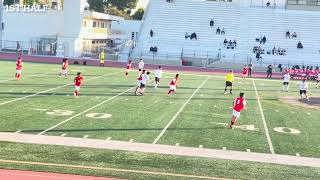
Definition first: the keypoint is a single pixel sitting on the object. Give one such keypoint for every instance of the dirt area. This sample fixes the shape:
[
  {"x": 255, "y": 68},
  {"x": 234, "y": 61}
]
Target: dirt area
[{"x": 314, "y": 102}]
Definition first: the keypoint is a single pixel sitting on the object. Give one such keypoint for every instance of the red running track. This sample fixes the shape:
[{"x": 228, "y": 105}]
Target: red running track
[{"x": 29, "y": 175}]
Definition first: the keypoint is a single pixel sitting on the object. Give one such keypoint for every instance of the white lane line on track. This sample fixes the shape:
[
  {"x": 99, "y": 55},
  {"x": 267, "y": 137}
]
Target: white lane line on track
[
  {"x": 263, "y": 119},
  {"x": 179, "y": 111}
]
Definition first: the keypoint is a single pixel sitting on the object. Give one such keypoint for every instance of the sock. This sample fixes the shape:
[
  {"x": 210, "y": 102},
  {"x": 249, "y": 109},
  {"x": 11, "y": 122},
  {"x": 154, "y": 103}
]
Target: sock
[{"x": 169, "y": 92}]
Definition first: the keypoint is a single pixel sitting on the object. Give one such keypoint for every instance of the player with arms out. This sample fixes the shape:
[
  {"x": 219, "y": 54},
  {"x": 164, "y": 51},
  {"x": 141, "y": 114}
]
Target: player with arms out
[
  {"x": 173, "y": 85},
  {"x": 238, "y": 106},
  {"x": 303, "y": 86},
  {"x": 229, "y": 81},
  {"x": 157, "y": 74},
  {"x": 19, "y": 65},
  {"x": 64, "y": 68},
  {"x": 78, "y": 80},
  {"x": 128, "y": 69},
  {"x": 143, "y": 82},
  {"x": 245, "y": 71},
  {"x": 286, "y": 81}
]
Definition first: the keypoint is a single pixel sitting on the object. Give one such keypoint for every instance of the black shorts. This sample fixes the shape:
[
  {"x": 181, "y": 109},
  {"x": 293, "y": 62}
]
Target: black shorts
[
  {"x": 285, "y": 83},
  {"x": 142, "y": 85},
  {"x": 157, "y": 79},
  {"x": 140, "y": 70},
  {"x": 303, "y": 91},
  {"x": 228, "y": 84}
]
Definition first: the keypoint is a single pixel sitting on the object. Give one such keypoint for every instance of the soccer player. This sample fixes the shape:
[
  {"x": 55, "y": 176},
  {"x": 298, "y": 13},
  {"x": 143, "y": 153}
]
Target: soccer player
[
  {"x": 238, "y": 106},
  {"x": 77, "y": 83},
  {"x": 143, "y": 82},
  {"x": 141, "y": 66},
  {"x": 304, "y": 89},
  {"x": 245, "y": 72},
  {"x": 102, "y": 59},
  {"x": 173, "y": 85},
  {"x": 229, "y": 81},
  {"x": 318, "y": 80},
  {"x": 286, "y": 80},
  {"x": 157, "y": 74},
  {"x": 19, "y": 64},
  {"x": 64, "y": 68},
  {"x": 128, "y": 68}
]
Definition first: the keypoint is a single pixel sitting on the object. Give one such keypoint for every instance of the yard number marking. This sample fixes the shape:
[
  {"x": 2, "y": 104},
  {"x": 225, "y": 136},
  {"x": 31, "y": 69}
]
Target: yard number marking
[
  {"x": 99, "y": 115},
  {"x": 286, "y": 130}
]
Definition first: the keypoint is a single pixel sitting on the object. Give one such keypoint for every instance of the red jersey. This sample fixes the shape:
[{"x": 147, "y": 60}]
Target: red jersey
[
  {"x": 239, "y": 104},
  {"x": 173, "y": 82},
  {"x": 65, "y": 66},
  {"x": 129, "y": 66},
  {"x": 245, "y": 71},
  {"x": 19, "y": 65},
  {"x": 78, "y": 81}
]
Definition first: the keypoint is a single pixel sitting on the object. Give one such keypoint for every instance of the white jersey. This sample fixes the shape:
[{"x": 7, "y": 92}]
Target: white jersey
[
  {"x": 286, "y": 78},
  {"x": 144, "y": 80},
  {"x": 158, "y": 73},
  {"x": 303, "y": 86},
  {"x": 141, "y": 65},
  {"x": 318, "y": 77}
]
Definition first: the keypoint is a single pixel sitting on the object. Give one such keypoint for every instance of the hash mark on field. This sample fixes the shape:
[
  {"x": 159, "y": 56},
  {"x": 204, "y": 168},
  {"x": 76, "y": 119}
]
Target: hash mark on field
[
  {"x": 309, "y": 113},
  {"x": 85, "y": 111},
  {"x": 297, "y": 154},
  {"x": 201, "y": 95},
  {"x": 215, "y": 106},
  {"x": 179, "y": 111},
  {"x": 248, "y": 150},
  {"x": 127, "y": 99},
  {"x": 200, "y": 146},
  {"x": 155, "y": 101},
  {"x": 177, "y": 144},
  {"x": 63, "y": 135},
  {"x": 85, "y": 136},
  {"x": 17, "y": 132},
  {"x": 276, "y": 110},
  {"x": 230, "y": 107},
  {"x": 131, "y": 140},
  {"x": 224, "y": 148},
  {"x": 109, "y": 138},
  {"x": 292, "y": 112},
  {"x": 170, "y": 102},
  {"x": 40, "y": 109}
]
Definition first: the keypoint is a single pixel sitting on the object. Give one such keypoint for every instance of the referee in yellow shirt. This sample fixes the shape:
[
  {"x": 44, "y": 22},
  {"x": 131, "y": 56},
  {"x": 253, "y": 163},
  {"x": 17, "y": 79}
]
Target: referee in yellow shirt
[
  {"x": 229, "y": 81},
  {"x": 102, "y": 58}
]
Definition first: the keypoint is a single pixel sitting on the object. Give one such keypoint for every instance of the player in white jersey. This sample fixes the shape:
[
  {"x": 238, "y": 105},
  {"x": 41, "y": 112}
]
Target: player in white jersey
[
  {"x": 141, "y": 66},
  {"x": 158, "y": 75},
  {"x": 303, "y": 86},
  {"x": 318, "y": 80},
  {"x": 143, "y": 82},
  {"x": 286, "y": 81}
]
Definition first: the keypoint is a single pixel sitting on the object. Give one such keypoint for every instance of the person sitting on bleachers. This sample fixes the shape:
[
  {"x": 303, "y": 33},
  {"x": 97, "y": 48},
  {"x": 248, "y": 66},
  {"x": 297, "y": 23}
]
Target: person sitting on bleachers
[
  {"x": 288, "y": 34},
  {"x": 294, "y": 35},
  {"x": 230, "y": 43},
  {"x": 234, "y": 43},
  {"x": 274, "y": 50},
  {"x": 151, "y": 33},
  {"x": 186, "y": 36},
  {"x": 268, "y": 4},
  {"x": 299, "y": 45},
  {"x": 211, "y": 23},
  {"x": 194, "y": 36},
  {"x": 218, "y": 30},
  {"x": 223, "y": 31},
  {"x": 225, "y": 42}
]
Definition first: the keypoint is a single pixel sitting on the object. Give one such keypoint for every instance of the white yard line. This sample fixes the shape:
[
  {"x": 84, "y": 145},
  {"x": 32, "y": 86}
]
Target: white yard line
[
  {"x": 48, "y": 90},
  {"x": 179, "y": 111},
  {"x": 85, "y": 111},
  {"x": 263, "y": 119}
]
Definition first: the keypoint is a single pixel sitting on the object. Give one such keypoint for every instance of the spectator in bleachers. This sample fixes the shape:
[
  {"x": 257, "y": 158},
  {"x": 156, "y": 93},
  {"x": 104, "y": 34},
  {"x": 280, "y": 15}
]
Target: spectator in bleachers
[
  {"x": 264, "y": 40},
  {"x": 258, "y": 56},
  {"x": 280, "y": 67},
  {"x": 225, "y": 42},
  {"x": 151, "y": 33},
  {"x": 194, "y": 36},
  {"x": 211, "y": 23},
  {"x": 268, "y": 4},
  {"x": 234, "y": 43},
  {"x": 218, "y": 30},
  {"x": 294, "y": 35},
  {"x": 223, "y": 31},
  {"x": 299, "y": 45},
  {"x": 288, "y": 34},
  {"x": 230, "y": 43},
  {"x": 269, "y": 71},
  {"x": 274, "y": 50},
  {"x": 186, "y": 36}
]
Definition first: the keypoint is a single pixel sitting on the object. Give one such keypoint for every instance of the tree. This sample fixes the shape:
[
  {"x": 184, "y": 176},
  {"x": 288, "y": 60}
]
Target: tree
[
  {"x": 138, "y": 14},
  {"x": 97, "y": 5},
  {"x": 30, "y": 2},
  {"x": 8, "y": 2}
]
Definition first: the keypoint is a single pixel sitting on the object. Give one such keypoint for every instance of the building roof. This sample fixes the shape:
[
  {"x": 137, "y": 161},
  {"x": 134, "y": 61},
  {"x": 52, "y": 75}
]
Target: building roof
[{"x": 96, "y": 15}]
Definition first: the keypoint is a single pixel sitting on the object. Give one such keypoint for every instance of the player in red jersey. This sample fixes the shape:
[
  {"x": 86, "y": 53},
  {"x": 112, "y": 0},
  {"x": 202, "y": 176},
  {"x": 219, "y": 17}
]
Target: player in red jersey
[
  {"x": 245, "y": 71},
  {"x": 128, "y": 68},
  {"x": 173, "y": 85},
  {"x": 77, "y": 83},
  {"x": 64, "y": 68},
  {"x": 238, "y": 106},
  {"x": 19, "y": 64}
]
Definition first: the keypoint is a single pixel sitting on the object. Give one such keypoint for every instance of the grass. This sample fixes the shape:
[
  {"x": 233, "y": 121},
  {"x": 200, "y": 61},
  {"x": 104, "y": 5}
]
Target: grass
[{"x": 142, "y": 118}]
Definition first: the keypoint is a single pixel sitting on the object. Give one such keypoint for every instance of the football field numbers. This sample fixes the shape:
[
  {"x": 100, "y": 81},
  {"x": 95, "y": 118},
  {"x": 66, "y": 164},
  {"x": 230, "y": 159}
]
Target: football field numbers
[
  {"x": 286, "y": 130},
  {"x": 99, "y": 115},
  {"x": 60, "y": 112}
]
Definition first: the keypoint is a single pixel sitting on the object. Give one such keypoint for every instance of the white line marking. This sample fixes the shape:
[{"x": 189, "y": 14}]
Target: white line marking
[
  {"x": 263, "y": 119},
  {"x": 85, "y": 136},
  {"x": 248, "y": 150},
  {"x": 109, "y": 138},
  {"x": 201, "y": 146},
  {"x": 63, "y": 135},
  {"x": 85, "y": 111},
  {"x": 309, "y": 113},
  {"x": 180, "y": 110},
  {"x": 131, "y": 140},
  {"x": 276, "y": 110},
  {"x": 177, "y": 144},
  {"x": 48, "y": 90},
  {"x": 224, "y": 148},
  {"x": 297, "y": 154},
  {"x": 17, "y": 132}
]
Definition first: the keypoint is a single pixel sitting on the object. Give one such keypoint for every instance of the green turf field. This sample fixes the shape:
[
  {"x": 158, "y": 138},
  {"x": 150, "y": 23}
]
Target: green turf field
[{"x": 107, "y": 108}]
